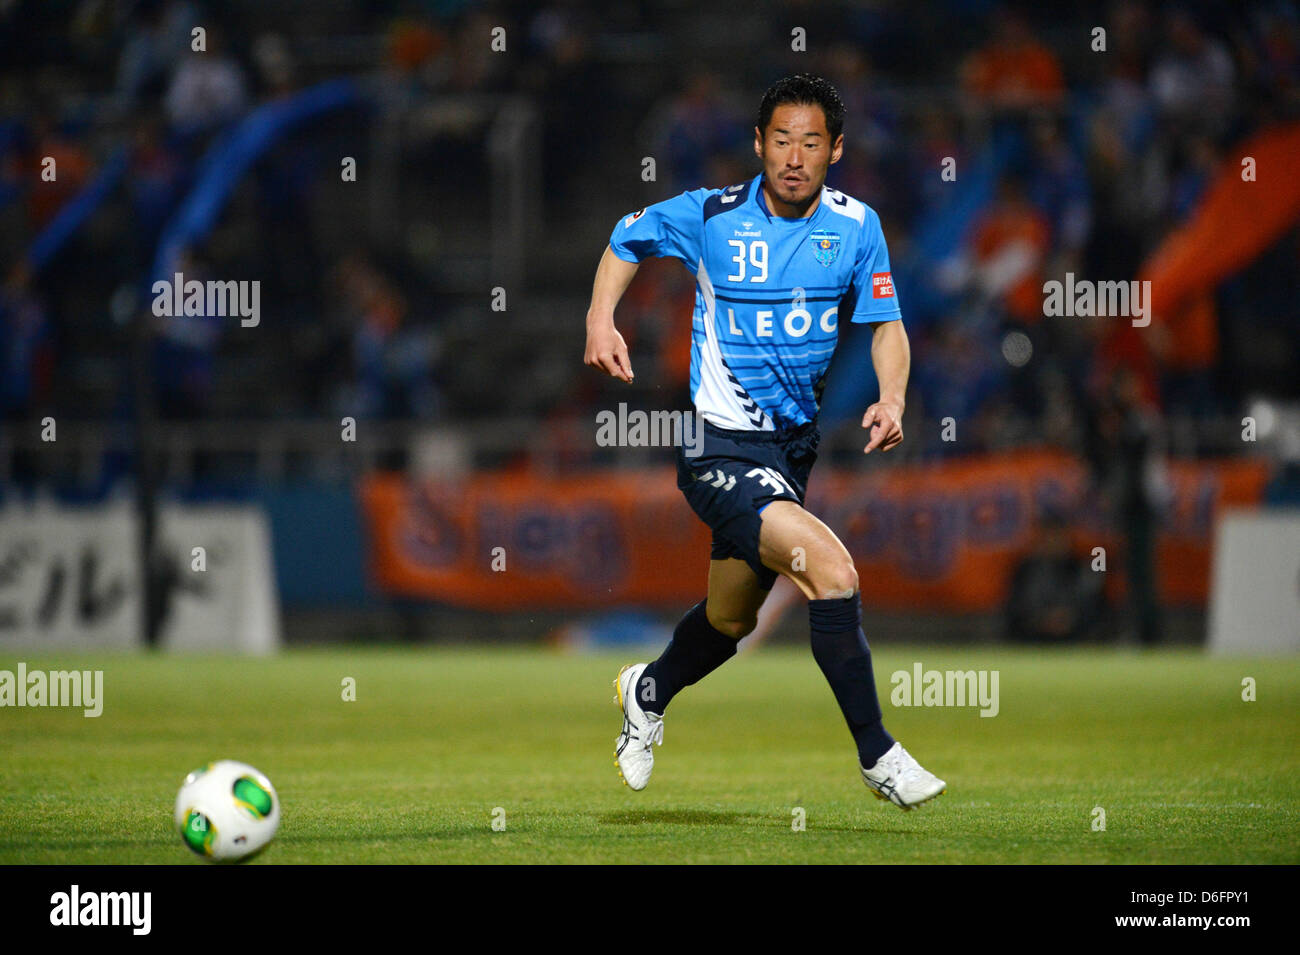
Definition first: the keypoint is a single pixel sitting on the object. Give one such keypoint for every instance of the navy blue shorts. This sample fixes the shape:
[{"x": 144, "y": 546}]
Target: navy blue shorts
[{"x": 737, "y": 474}]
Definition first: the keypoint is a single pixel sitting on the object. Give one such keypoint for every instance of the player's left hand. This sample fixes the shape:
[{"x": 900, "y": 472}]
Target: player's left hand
[{"x": 885, "y": 421}]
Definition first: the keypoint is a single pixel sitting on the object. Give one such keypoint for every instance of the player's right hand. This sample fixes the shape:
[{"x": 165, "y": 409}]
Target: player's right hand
[{"x": 607, "y": 351}]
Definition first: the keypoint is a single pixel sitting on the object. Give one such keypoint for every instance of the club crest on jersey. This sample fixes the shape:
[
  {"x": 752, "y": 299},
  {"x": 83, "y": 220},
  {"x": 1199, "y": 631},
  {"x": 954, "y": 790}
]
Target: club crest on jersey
[{"x": 826, "y": 246}]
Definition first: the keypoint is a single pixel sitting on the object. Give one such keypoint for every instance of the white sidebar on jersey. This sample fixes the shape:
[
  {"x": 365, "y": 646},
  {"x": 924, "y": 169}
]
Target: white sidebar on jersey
[{"x": 719, "y": 399}]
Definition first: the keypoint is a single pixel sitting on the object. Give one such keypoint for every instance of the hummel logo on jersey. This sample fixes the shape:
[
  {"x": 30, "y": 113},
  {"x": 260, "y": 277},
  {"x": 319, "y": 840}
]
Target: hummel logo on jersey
[{"x": 882, "y": 285}]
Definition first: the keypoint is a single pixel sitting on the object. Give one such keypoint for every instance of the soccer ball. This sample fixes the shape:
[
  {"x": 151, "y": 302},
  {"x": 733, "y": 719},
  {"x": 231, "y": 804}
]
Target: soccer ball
[{"x": 227, "y": 811}]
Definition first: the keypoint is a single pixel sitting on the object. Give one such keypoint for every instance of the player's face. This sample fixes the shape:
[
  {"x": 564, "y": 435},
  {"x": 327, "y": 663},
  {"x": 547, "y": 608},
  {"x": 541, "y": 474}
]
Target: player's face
[{"x": 796, "y": 152}]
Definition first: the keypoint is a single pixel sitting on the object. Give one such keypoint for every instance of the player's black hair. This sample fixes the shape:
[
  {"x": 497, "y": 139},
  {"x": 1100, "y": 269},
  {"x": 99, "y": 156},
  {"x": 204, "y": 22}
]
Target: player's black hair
[{"x": 804, "y": 89}]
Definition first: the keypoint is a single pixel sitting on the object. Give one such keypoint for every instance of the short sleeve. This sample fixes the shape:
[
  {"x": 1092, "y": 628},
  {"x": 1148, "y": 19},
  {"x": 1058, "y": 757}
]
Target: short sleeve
[
  {"x": 873, "y": 283},
  {"x": 672, "y": 228}
]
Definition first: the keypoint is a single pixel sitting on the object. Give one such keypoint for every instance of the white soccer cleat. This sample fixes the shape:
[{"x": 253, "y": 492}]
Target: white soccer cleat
[
  {"x": 901, "y": 779},
  {"x": 632, "y": 754}
]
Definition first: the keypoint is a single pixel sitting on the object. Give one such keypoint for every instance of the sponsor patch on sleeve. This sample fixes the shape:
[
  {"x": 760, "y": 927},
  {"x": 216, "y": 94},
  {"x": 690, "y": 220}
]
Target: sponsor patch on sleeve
[
  {"x": 882, "y": 285},
  {"x": 632, "y": 218}
]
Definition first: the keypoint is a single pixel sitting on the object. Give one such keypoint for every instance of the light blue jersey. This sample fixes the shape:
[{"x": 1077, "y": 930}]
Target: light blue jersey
[{"x": 769, "y": 294}]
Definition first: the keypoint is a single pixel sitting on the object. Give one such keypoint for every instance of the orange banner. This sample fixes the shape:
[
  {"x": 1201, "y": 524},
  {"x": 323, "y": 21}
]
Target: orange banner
[{"x": 944, "y": 536}]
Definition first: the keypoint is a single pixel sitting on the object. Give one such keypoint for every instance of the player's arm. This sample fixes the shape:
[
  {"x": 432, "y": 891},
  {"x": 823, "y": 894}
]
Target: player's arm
[
  {"x": 874, "y": 301},
  {"x": 605, "y": 346},
  {"x": 892, "y": 357},
  {"x": 668, "y": 228}
]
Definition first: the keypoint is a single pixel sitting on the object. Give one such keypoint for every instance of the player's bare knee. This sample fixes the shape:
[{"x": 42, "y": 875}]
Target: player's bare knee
[
  {"x": 837, "y": 582},
  {"x": 734, "y": 628}
]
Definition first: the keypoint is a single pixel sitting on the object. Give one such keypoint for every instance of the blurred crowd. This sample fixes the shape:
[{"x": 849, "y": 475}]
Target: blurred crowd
[
  {"x": 1096, "y": 155},
  {"x": 1080, "y": 158}
]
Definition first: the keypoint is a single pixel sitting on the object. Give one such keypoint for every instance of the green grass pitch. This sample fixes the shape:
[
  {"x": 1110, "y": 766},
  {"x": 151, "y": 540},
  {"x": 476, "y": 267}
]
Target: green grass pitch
[{"x": 437, "y": 739}]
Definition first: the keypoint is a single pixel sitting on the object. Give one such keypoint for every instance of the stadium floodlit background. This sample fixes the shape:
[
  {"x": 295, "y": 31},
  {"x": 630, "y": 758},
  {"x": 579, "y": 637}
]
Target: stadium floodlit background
[{"x": 402, "y": 445}]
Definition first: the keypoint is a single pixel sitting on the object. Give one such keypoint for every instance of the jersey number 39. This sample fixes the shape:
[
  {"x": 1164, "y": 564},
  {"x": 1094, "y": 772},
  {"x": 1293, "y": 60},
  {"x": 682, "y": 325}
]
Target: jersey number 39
[{"x": 757, "y": 254}]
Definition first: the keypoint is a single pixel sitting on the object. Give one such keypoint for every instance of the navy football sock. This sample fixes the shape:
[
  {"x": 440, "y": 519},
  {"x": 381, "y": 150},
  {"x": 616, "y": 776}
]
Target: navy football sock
[
  {"x": 695, "y": 651},
  {"x": 840, "y": 648}
]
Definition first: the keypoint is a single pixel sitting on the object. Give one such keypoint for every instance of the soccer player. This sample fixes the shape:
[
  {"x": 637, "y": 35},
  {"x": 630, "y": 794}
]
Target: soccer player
[{"x": 779, "y": 261}]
